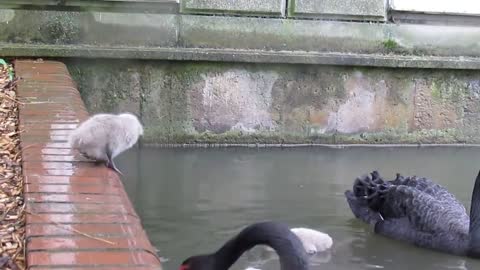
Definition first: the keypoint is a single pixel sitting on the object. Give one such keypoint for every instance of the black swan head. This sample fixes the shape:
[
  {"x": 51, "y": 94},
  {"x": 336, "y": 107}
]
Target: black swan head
[{"x": 276, "y": 235}]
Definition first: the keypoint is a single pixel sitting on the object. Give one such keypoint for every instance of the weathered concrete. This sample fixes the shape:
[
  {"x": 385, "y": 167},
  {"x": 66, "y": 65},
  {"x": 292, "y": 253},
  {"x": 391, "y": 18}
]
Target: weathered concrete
[
  {"x": 239, "y": 7},
  {"x": 217, "y": 38},
  {"x": 152, "y": 6},
  {"x": 78, "y": 213},
  {"x": 244, "y": 56},
  {"x": 362, "y": 10},
  {"x": 185, "y": 102},
  {"x": 87, "y": 28},
  {"x": 226, "y": 99}
]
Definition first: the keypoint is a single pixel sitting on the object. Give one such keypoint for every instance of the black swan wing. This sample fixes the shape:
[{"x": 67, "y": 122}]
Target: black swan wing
[
  {"x": 429, "y": 187},
  {"x": 428, "y": 208}
]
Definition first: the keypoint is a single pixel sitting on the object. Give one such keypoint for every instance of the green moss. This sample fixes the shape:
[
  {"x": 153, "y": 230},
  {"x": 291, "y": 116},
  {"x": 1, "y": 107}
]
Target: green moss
[
  {"x": 104, "y": 86},
  {"x": 34, "y": 26},
  {"x": 190, "y": 72},
  {"x": 392, "y": 136},
  {"x": 449, "y": 89},
  {"x": 390, "y": 44},
  {"x": 399, "y": 136},
  {"x": 232, "y": 137}
]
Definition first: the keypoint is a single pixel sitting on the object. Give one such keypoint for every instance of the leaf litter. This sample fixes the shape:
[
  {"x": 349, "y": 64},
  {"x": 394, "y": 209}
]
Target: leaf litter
[{"x": 12, "y": 207}]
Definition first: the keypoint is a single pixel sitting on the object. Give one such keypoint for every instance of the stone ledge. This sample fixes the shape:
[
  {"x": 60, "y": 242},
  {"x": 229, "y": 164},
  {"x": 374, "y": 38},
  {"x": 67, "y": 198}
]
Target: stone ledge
[
  {"x": 434, "y": 19},
  {"x": 176, "y": 37},
  {"x": 156, "y": 6},
  {"x": 248, "y": 56}
]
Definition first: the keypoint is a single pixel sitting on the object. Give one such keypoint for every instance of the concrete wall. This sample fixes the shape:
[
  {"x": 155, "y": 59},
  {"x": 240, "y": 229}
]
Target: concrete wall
[
  {"x": 276, "y": 71},
  {"x": 208, "y": 102}
]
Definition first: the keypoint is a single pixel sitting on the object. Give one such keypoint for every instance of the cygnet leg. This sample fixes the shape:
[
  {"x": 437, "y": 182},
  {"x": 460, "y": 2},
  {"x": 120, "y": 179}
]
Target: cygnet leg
[{"x": 110, "y": 164}]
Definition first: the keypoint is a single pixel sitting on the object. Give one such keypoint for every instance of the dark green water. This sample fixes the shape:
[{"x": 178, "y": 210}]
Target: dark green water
[{"x": 193, "y": 200}]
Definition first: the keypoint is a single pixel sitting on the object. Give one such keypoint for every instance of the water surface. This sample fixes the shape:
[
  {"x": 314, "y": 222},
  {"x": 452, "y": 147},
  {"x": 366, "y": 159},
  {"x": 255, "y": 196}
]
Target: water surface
[{"x": 193, "y": 200}]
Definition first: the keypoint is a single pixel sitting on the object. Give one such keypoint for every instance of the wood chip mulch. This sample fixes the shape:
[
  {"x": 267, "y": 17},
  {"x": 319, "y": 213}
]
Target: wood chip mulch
[{"x": 12, "y": 207}]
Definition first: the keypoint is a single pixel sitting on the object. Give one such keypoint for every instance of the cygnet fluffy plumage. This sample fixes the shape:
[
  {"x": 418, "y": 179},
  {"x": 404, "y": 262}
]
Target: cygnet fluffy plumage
[
  {"x": 104, "y": 136},
  {"x": 313, "y": 241}
]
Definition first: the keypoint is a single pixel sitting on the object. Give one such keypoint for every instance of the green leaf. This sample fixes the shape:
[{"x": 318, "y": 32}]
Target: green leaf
[{"x": 9, "y": 69}]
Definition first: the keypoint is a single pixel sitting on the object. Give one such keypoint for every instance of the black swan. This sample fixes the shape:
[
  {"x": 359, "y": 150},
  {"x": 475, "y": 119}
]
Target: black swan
[
  {"x": 104, "y": 136},
  {"x": 276, "y": 235},
  {"x": 418, "y": 211}
]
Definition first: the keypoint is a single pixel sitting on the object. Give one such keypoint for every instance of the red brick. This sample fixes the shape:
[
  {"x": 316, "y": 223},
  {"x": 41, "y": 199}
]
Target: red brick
[
  {"x": 51, "y": 145},
  {"x": 82, "y": 242},
  {"x": 36, "y": 158},
  {"x": 117, "y": 258},
  {"x": 45, "y": 65},
  {"x": 35, "y": 80},
  {"x": 102, "y": 268},
  {"x": 66, "y": 112},
  {"x": 74, "y": 198},
  {"x": 38, "y": 139},
  {"x": 79, "y": 208},
  {"x": 59, "y": 165},
  {"x": 58, "y": 92},
  {"x": 73, "y": 189},
  {"x": 49, "y": 106},
  {"x": 55, "y": 76},
  {"x": 51, "y": 119},
  {"x": 71, "y": 111},
  {"x": 42, "y": 117},
  {"x": 60, "y": 158},
  {"x": 81, "y": 218},
  {"x": 127, "y": 230},
  {"x": 40, "y": 132},
  {"x": 101, "y": 170},
  {"x": 71, "y": 180},
  {"x": 51, "y": 99},
  {"x": 46, "y": 88},
  {"x": 35, "y": 96},
  {"x": 49, "y": 127},
  {"x": 63, "y": 191},
  {"x": 34, "y": 150}
]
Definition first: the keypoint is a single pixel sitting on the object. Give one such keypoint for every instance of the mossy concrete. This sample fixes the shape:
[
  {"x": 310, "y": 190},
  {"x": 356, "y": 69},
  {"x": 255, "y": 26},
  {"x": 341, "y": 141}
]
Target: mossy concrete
[
  {"x": 238, "y": 7},
  {"x": 361, "y": 10},
  {"x": 92, "y": 34},
  {"x": 86, "y": 28},
  {"x": 216, "y": 102},
  {"x": 151, "y": 6}
]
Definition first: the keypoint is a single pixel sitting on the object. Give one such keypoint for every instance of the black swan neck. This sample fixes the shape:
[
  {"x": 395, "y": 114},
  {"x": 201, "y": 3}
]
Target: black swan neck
[
  {"x": 474, "y": 229},
  {"x": 278, "y": 236}
]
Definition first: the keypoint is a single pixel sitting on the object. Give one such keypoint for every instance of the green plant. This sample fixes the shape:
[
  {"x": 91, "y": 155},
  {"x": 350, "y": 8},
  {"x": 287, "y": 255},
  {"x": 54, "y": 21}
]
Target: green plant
[
  {"x": 390, "y": 44},
  {"x": 8, "y": 67}
]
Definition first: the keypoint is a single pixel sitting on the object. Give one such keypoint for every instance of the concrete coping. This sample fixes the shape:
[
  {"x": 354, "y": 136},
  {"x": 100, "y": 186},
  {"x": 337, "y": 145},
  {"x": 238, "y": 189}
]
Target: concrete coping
[{"x": 247, "y": 56}]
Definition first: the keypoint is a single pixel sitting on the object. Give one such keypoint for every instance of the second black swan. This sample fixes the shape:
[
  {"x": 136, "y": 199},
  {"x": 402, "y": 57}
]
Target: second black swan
[
  {"x": 418, "y": 211},
  {"x": 273, "y": 234}
]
